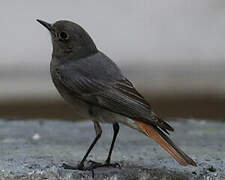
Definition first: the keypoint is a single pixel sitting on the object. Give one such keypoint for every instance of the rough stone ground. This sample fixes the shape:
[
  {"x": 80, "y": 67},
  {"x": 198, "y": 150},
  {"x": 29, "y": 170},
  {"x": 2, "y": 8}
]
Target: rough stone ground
[{"x": 36, "y": 150}]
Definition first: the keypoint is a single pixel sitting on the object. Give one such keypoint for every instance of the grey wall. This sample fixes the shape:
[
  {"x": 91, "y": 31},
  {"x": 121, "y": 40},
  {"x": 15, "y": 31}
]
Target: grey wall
[{"x": 153, "y": 33}]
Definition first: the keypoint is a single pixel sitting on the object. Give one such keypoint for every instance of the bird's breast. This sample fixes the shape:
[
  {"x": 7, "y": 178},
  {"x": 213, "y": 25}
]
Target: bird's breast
[{"x": 81, "y": 108}]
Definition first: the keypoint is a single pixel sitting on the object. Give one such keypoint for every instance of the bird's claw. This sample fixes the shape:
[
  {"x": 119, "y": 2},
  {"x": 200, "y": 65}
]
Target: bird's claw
[
  {"x": 78, "y": 167},
  {"x": 93, "y": 165}
]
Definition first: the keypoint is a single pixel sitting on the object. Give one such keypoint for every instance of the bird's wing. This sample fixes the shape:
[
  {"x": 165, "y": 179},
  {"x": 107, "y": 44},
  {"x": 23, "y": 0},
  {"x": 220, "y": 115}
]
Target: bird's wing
[{"x": 118, "y": 96}]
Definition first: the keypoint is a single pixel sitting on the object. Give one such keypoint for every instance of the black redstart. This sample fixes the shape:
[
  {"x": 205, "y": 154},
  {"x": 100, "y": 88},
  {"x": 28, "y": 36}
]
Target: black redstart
[{"x": 92, "y": 82}]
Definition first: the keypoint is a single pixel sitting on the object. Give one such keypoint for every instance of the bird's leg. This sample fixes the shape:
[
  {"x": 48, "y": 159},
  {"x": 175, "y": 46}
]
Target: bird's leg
[
  {"x": 80, "y": 166},
  {"x": 108, "y": 160},
  {"x": 116, "y": 129}
]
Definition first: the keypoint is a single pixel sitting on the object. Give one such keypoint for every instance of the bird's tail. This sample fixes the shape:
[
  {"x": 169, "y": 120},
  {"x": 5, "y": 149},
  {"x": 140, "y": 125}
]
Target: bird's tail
[{"x": 166, "y": 143}]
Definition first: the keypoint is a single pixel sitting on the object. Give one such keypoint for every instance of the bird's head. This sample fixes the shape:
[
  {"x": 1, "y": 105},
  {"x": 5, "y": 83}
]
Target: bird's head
[{"x": 69, "y": 40}]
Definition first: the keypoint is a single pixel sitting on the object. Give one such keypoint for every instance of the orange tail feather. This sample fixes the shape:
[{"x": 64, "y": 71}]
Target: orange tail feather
[{"x": 166, "y": 143}]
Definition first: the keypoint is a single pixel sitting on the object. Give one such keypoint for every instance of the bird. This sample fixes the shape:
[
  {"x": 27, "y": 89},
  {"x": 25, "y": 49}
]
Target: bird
[{"x": 95, "y": 86}]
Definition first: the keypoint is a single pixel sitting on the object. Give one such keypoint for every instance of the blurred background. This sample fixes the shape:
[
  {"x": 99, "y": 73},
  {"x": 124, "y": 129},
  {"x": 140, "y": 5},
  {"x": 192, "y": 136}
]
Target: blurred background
[{"x": 173, "y": 51}]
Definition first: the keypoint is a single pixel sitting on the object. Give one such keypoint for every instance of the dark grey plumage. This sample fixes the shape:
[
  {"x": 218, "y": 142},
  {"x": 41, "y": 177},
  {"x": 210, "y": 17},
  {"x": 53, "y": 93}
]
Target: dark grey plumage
[
  {"x": 97, "y": 80},
  {"x": 93, "y": 83}
]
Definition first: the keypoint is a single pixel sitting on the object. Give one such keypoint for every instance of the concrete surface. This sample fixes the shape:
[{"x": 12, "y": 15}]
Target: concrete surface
[{"x": 36, "y": 150}]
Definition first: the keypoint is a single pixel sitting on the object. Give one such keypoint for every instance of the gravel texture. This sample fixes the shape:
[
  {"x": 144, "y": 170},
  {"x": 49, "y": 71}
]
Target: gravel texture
[{"x": 36, "y": 149}]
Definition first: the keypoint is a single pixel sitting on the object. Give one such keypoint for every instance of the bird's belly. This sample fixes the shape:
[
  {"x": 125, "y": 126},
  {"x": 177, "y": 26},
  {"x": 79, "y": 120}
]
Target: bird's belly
[{"x": 82, "y": 109}]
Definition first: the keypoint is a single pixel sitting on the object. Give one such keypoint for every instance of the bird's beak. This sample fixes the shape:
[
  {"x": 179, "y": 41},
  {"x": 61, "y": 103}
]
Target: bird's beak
[{"x": 45, "y": 24}]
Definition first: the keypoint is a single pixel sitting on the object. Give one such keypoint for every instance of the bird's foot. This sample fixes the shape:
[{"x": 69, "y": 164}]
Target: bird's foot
[
  {"x": 94, "y": 165},
  {"x": 78, "y": 167},
  {"x": 91, "y": 166}
]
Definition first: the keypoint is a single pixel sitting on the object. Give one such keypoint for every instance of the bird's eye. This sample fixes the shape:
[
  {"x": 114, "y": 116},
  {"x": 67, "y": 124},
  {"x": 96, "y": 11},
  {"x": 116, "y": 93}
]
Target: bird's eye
[{"x": 63, "y": 36}]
